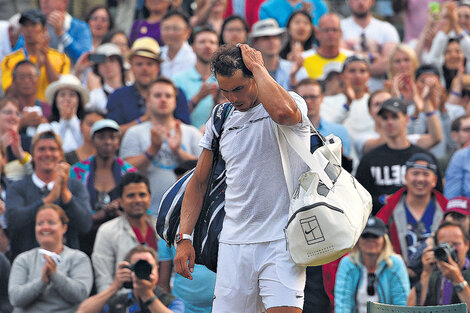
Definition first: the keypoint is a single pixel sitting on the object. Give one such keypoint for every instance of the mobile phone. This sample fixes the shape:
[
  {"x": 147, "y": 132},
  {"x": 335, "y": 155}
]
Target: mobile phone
[
  {"x": 434, "y": 7},
  {"x": 97, "y": 58}
]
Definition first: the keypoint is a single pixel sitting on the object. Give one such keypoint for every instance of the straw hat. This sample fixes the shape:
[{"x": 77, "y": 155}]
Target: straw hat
[{"x": 146, "y": 47}]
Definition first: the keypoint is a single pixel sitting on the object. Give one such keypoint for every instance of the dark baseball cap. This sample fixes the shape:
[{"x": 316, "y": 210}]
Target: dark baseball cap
[
  {"x": 426, "y": 69},
  {"x": 33, "y": 15},
  {"x": 420, "y": 156},
  {"x": 354, "y": 58},
  {"x": 375, "y": 226},
  {"x": 394, "y": 105}
]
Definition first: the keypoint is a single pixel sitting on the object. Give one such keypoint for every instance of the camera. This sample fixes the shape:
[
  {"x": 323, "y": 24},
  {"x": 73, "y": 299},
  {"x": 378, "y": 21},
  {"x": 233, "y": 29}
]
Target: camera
[
  {"x": 142, "y": 270},
  {"x": 443, "y": 251}
]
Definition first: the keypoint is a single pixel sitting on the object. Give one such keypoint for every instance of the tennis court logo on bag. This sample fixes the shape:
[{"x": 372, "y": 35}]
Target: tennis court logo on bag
[{"x": 311, "y": 229}]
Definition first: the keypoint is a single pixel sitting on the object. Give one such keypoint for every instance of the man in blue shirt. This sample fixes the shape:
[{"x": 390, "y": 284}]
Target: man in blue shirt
[
  {"x": 198, "y": 83},
  {"x": 127, "y": 105},
  {"x": 66, "y": 33},
  {"x": 280, "y": 10},
  {"x": 311, "y": 91},
  {"x": 458, "y": 174},
  {"x": 144, "y": 295}
]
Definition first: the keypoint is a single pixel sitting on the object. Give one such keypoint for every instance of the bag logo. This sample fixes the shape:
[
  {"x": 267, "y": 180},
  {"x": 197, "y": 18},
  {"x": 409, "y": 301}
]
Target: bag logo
[{"x": 311, "y": 229}]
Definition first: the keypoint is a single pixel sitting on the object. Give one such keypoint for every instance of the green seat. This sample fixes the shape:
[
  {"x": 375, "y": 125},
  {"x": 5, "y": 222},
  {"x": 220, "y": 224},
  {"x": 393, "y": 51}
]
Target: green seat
[{"x": 374, "y": 307}]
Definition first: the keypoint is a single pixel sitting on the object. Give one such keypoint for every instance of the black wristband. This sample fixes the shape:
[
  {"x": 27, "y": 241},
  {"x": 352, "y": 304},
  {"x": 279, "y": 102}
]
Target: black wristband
[{"x": 150, "y": 301}]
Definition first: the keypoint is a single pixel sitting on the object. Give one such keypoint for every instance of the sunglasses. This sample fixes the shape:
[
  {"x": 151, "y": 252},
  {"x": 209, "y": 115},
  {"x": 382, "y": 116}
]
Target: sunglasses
[{"x": 371, "y": 284}]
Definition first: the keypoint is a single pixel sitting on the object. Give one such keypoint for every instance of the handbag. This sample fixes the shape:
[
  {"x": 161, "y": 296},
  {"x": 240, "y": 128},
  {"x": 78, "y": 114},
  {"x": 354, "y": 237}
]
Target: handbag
[
  {"x": 209, "y": 224},
  {"x": 328, "y": 209}
]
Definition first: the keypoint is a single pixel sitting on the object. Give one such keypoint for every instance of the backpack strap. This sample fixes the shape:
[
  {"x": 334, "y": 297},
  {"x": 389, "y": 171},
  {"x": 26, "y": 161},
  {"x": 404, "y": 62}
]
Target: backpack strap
[{"x": 219, "y": 115}]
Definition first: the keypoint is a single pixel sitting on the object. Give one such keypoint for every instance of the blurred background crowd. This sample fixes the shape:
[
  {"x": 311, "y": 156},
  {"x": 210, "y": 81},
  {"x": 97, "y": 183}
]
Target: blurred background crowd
[{"x": 104, "y": 102}]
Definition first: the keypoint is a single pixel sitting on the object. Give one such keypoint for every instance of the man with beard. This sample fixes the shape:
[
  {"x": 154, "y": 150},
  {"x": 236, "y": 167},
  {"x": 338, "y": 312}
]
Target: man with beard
[
  {"x": 134, "y": 227},
  {"x": 198, "y": 83},
  {"x": 101, "y": 174},
  {"x": 127, "y": 105},
  {"x": 370, "y": 37}
]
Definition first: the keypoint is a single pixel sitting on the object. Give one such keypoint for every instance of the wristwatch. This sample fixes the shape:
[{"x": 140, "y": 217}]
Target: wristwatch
[
  {"x": 180, "y": 237},
  {"x": 460, "y": 286}
]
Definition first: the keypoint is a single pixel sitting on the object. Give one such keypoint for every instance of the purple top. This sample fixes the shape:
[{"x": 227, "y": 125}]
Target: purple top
[{"x": 142, "y": 28}]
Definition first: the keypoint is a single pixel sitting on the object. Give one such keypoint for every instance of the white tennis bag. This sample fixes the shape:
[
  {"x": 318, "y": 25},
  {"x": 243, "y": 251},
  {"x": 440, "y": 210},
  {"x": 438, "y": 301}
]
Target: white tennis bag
[{"x": 329, "y": 208}]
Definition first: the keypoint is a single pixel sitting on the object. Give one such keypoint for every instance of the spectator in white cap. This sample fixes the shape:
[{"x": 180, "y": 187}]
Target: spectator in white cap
[
  {"x": 267, "y": 37},
  {"x": 67, "y": 97},
  {"x": 100, "y": 174},
  {"x": 107, "y": 76}
]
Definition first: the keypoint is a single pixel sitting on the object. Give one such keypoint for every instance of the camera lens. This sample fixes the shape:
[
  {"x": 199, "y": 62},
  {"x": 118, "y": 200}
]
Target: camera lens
[{"x": 142, "y": 269}]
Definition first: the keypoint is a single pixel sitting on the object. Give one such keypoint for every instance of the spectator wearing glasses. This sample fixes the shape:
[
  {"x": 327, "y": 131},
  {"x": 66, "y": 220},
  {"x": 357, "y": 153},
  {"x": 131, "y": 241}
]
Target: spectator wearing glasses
[
  {"x": 51, "y": 63},
  {"x": 14, "y": 146},
  {"x": 445, "y": 276},
  {"x": 177, "y": 54},
  {"x": 100, "y": 22},
  {"x": 382, "y": 170},
  {"x": 416, "y": 210},
  {"x": 311, "y": 91},
  {"x": 371, "y": 272},
  {"x": 328, "y": 55}
]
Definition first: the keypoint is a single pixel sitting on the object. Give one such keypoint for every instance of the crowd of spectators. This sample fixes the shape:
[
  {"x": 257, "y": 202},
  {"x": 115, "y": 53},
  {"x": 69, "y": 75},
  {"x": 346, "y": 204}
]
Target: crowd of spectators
[{"x": 104, "y": 104}]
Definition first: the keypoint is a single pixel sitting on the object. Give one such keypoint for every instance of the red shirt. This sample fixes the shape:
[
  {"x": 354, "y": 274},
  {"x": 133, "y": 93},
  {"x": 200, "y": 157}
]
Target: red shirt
[{"x": 150, "y": 238}]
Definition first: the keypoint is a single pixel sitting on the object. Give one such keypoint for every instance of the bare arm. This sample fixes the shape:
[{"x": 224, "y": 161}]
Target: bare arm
[
  {"x": 275, "y": 99},
  {"x": 379, "y": 67},
  {"x": 190, "y": 210},
  {"x": 97, "y": 302},
  {"x": 164, "y": 275}
]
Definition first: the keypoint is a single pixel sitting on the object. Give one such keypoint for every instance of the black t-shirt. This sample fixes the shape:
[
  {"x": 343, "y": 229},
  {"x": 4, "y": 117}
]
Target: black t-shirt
[
  {"x": 315, "y": 297},
  {"x": 382, "y": 172}
]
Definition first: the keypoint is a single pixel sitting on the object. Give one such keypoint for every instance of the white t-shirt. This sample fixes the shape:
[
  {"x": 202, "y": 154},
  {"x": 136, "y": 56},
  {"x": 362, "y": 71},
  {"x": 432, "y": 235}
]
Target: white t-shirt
[
  {"x": 377, "y": 34},
  {"x": 68, "y": 130},
  {"x": 362, "y": 296},
  {"x": 256, "y": 198},
  {"x": 357, "y": 119},
  {"x": 184, "y": 59},
  {"x": 160, "y": 171}
]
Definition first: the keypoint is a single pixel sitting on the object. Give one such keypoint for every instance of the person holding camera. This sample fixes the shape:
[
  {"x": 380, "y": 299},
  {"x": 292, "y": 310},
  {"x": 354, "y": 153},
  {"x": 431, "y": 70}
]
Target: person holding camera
[
  {"x": 446, "y": 272},
  {"x": 139, "y": 271}
]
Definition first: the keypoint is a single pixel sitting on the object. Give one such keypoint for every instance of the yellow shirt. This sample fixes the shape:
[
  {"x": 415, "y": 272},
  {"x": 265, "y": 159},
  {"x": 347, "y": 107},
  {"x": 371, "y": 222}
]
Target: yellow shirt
[
  {"x": 60, "y": 62},
  {"x": 316, "y": 64}
]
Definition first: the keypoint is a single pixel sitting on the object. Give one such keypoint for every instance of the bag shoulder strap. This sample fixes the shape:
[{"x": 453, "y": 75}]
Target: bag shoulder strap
[
  {"x": 316, "y": 161},
  {"x": 219, "y": 115}
]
